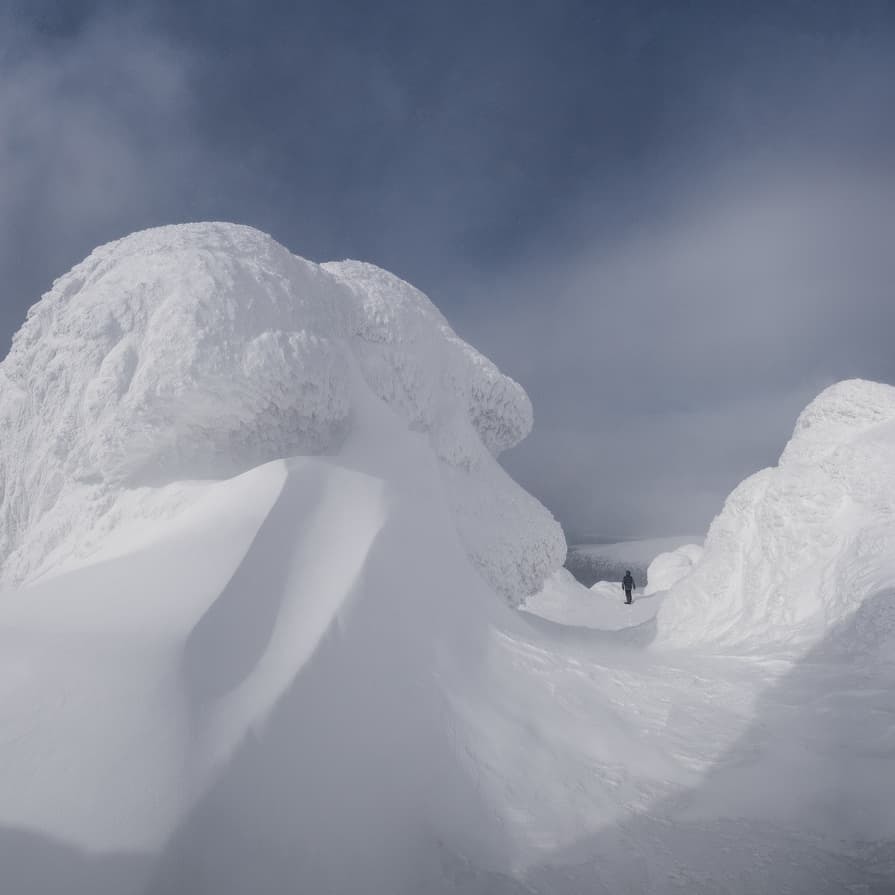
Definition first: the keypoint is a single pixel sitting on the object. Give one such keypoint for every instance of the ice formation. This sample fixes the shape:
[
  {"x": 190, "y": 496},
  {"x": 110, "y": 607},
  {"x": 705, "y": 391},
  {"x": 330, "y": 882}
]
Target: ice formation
[
  {"x": 201, "y": 351},
  {"x": 798, "y": 548}
]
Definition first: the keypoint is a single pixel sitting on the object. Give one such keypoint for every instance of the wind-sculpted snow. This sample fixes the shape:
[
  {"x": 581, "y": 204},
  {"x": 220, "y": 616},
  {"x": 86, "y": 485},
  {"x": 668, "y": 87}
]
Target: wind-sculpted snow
[
  {"x": 293, "y": 678},
  {"x": 667, "y": 569},
  {"x": 201, "y": 351},
  {"x": 798, "y": 548}
]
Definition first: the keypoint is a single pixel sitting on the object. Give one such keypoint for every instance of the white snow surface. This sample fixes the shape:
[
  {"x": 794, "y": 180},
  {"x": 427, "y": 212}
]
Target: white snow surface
[
  {"x": 566, "y": 601},
  {"x": 204, "y": 350},
  {"x": 667, "y": 569},
  {"x": 261, "y": 642},
  {"x": 799, "y": 548}
]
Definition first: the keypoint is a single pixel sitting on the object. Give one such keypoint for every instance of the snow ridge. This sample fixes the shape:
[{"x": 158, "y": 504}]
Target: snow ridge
[{"x": 200, "y": 351}]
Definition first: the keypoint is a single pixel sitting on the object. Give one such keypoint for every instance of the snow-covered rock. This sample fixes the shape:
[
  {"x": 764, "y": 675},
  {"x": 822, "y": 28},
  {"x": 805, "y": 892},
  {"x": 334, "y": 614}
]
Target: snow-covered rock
[
  {"x": 201, "y": 351},
  {"x": 798, "y": 548}
]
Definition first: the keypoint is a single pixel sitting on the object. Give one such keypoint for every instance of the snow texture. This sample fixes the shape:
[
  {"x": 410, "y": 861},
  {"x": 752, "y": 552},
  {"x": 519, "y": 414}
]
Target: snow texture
[
  {"x": 799, "y": 548},
  {"x": 667, "y": 569},
  {"x": 565, "y": 601},
  {"x": 204, "y": 350}
]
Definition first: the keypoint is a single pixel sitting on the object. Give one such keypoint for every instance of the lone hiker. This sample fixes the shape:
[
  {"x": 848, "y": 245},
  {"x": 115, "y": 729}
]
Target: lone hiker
[{"x": 628, "y": 585}]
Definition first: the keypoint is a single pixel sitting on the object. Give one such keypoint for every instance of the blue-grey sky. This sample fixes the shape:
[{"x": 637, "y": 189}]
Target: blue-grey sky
[{"x": 672, "y": 222}]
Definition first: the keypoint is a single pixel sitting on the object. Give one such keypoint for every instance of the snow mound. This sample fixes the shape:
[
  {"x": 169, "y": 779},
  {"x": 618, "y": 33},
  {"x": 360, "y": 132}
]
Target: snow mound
[
  {"x": 668, "y": 568},
  {"x": 798, "y": 548},
  {"x": 591, "y": 563},
  {"x": 201, "y": 351}
]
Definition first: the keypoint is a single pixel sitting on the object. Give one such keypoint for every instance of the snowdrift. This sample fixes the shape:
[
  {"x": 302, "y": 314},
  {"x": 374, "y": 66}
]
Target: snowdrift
[
  {"x": 798, "y": 548},
  {"x": 202, "y": 351},
  {"x": 667, "y": 569}
]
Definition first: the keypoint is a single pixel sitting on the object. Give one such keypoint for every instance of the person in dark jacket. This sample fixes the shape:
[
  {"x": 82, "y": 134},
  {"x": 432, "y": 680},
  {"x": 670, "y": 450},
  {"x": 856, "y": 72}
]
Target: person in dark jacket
[{"x": 628, "y": 585}]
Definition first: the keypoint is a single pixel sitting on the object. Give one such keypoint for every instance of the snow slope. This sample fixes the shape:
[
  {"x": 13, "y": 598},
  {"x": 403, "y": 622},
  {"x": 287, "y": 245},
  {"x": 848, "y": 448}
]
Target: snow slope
[
  {"x": 667, "y": 569},
  {"x": 258, "y": 636},
  {"x": 799, "y": 548},
  {"x": 566, "y": 601}
]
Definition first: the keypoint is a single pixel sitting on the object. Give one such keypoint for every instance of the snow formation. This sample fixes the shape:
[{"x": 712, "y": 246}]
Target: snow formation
[
  {"x": 201, "y": 351},
  {"x": 798, "y": 548},
  {"x": 668, "y": 568},
  {"x": 565, "y": 601}
]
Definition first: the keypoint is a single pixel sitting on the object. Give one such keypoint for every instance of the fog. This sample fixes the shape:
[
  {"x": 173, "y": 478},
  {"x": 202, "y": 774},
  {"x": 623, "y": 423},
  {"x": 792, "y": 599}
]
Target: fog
[
  {"x": 672, "y": 228},
  {"x": 669, "y": 362}
]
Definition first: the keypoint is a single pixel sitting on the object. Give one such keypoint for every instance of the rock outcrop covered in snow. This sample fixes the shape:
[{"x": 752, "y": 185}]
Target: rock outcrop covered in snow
[
  {"x": 799, "y": 548},
  {"x": 200, "y": 351}
]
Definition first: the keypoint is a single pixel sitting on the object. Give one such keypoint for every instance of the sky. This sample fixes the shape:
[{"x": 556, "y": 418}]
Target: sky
[{"x": 671, "y": 222}]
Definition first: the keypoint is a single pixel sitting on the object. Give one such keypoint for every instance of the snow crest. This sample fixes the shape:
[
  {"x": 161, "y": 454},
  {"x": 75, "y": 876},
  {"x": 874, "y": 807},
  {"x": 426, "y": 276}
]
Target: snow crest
[
  {"x": 798, "y": 548},
  {"x": 200, "y": 351}
]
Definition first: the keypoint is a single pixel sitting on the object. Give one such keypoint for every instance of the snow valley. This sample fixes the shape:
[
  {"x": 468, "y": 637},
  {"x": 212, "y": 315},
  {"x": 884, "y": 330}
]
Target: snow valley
[{"x": 261, "y": 625}]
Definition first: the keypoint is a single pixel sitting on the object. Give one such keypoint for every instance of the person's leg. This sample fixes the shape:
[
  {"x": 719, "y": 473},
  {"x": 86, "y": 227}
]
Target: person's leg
[{"x": 627, "y": 596}]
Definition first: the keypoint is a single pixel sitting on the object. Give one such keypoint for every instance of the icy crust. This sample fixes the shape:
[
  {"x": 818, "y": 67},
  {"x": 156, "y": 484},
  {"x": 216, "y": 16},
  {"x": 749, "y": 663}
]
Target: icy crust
[
  {"x": 798, "y": 548},
  {"x": 204, "y": 350}
]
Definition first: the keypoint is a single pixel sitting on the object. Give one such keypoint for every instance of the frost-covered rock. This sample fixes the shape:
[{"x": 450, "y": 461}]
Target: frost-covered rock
[
  {"x": 798, "y": 548},
  {"x": 668, "y": 568},
  {"x": 200, "y": 351}
]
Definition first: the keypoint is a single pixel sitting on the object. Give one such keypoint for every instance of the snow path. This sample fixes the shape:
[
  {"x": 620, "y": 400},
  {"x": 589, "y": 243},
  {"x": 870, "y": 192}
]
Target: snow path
[
  {"x": 602, "y": 607},
  {"x": 710, "y": 773}
]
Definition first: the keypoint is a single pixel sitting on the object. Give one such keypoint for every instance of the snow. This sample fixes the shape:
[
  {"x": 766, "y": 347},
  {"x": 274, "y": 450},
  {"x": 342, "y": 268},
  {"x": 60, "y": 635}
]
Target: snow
[
  {"x": 667, "y": 569},
  {"x": 799, "y": 548},
  {"x": 591, "y": 563},
  {"x": 566, "y": 601},
  {"x": 258, "y": 630},
  {"x": 201, "y": 351}
]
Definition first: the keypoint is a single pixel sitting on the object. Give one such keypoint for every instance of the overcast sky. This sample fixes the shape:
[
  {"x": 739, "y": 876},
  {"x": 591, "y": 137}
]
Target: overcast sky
[{"x": 674, "y": 223}]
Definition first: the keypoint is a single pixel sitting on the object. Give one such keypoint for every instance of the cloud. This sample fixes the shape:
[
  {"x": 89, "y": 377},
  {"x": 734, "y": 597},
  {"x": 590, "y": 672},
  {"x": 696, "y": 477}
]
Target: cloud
[
  {"x": 94, "y": 132},
  {"x": 669, "y": 360},
  {"x": 672, "y": 231}
]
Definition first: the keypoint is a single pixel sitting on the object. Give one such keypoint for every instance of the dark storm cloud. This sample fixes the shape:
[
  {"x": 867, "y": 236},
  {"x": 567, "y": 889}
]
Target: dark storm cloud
[{"x": 671, "y": 222}]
